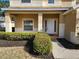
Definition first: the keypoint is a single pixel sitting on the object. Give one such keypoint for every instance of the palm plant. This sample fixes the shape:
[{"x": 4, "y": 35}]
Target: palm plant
[
  {"x": 4, "y": 4},
  {"x": 1, "y": 4}
]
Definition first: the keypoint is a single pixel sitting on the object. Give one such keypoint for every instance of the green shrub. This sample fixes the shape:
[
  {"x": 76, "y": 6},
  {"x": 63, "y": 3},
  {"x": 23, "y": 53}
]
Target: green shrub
[
  {"x": 42, "y": 43},
  {"x": 15, "y": 36}
]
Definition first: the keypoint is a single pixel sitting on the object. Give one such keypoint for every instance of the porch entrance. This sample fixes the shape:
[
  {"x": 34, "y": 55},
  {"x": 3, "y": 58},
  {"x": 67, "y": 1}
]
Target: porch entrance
[{"x": 50, "y": 26}]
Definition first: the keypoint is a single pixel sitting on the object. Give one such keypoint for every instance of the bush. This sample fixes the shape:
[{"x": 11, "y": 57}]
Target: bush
[
  {"x": 15, "y": 36},
  {"x": 42, "y": 43},
  {"x": 39, "y": 42}
]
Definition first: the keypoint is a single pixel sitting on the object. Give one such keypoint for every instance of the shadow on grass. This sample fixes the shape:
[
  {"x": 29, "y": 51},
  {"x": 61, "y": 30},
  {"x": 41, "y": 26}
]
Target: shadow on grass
[
  {"x": 29, "y": 48},
  {"x": 67, "y": 44}
]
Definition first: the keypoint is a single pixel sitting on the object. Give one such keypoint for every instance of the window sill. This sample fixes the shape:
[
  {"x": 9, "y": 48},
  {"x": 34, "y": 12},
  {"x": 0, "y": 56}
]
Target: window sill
[{"x": 28, "y": 31}]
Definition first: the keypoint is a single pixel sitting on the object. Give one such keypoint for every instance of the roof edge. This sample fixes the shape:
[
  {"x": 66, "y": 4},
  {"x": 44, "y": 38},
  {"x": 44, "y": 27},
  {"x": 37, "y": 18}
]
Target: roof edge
[{"x": 31, "y": 9}]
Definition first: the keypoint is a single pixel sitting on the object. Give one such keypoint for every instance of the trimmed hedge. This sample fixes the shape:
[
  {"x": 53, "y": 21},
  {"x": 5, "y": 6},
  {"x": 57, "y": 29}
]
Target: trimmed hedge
[
  {"x": 39, "y": 42},
  {"x": 42, "y": 43},
  {"x": 16, "y": 36}
]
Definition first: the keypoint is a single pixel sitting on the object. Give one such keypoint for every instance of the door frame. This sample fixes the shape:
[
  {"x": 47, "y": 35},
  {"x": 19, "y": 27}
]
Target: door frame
[{"x": 56, "y": 24}]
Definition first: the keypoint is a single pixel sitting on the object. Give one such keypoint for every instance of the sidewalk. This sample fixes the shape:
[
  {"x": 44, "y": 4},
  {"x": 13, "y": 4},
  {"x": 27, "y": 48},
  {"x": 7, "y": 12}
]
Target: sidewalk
[{"x": 60, "y": 52}]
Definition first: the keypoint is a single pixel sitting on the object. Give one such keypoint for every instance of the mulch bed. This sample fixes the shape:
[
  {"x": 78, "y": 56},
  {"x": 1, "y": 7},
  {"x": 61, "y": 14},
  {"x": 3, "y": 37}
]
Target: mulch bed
[
  {"x": 5, "y": 43},
  {"x": 67, "y": 44}
]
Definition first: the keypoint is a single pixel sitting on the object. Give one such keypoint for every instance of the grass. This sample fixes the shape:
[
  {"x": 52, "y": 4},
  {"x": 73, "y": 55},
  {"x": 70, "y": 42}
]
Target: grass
[
  {"x": 18, "y": 53},
  {"x": 12, "y": 50},
  {"x": 18, "y": 49},
  {"x": 12, "y": 53}
]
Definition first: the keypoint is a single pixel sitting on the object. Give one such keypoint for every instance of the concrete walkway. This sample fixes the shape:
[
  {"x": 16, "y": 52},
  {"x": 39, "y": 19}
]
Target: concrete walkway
[{"x": 60, "y": 52}]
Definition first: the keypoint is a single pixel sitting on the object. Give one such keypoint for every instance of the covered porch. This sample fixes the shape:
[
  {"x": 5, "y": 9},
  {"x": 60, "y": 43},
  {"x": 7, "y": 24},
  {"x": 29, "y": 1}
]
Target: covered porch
[
  {"x": 50, "y": 21},
  {"x": 34, "y": 22}
]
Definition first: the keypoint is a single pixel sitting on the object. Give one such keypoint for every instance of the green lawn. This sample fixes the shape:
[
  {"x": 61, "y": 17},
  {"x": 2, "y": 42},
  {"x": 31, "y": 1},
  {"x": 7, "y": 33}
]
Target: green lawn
[
  {"x": 17, "y": 53},
  {"x": 13, "y": 53}
]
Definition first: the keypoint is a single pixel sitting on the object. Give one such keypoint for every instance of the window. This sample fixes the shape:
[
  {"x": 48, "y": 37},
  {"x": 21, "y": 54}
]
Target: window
[
  {"x": 26, "y": 1},
  {"x": 50, "y": 1},
  {"x": 28, "y": 25},
  {"x": 55, "y": 26},
  {"x": 45, "y": 25}
]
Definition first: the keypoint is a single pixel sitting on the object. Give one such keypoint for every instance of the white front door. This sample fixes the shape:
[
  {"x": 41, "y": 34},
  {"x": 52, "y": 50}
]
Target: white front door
[{"x": 50, "y": 26}]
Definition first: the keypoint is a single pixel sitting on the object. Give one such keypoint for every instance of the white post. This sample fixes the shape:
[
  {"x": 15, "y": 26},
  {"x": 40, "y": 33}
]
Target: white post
[
  {"x": 8, "y": 25},
  {"x": 77, "y": 22},
  {"x": 61, "y": 26},
  {"x": 40, "y": 22}
]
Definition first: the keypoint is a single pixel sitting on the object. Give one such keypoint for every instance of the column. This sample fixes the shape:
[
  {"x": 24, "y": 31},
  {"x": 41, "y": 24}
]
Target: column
[
  {"x": 40, "y": 22},
  {"x": 61, "y": 26},
  {"x": 8, "y": 25},
  {"x": 77, "y": 23}
]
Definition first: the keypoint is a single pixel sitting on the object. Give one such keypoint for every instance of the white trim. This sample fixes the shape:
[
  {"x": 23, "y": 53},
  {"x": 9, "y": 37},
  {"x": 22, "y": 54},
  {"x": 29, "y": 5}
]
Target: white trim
[
  {"x": 61, "y": 30},
  {"x": 8, "y": 24},
  {"x": 40, "y": 22},
  {"x": 35, "y": 9},
  {"x": 23, "y": 24},
  {"x": 51, "y": 27},
  {"x": 76, "y": 6},
  {"x": 67, "y": 11}
]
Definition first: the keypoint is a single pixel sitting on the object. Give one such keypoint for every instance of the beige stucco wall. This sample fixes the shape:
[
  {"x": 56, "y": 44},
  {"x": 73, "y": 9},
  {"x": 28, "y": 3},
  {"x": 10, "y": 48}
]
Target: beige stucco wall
[
  {"x": 70, "y": 21},
  {"x": 51, "y": 16},
  {"x": 21, "y": 17},
  {"x": 41, "y": 3},
  {"x": 75, "y": 35}
]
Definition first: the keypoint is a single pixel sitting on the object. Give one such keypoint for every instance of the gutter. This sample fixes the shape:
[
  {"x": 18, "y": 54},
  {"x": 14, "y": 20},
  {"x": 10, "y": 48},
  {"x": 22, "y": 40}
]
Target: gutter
[{"x": 31, "y": 9}]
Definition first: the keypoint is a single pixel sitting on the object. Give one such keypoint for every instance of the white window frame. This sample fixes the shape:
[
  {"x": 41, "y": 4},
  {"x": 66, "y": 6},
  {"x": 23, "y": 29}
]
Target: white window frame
[{"x": 23, "y": 24}]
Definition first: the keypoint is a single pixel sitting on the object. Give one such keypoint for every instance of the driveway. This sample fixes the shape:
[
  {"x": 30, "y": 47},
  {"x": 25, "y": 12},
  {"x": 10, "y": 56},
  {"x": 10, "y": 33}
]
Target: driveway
[{"x": 60, "y": 52}]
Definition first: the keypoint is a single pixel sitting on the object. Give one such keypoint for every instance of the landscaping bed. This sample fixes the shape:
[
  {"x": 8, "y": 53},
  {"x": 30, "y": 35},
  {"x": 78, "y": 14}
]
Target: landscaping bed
[
  {"x": 67, "y": 44},
  {"x": 5, "y": 43},
  {"x": 38, "y": 43}
]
